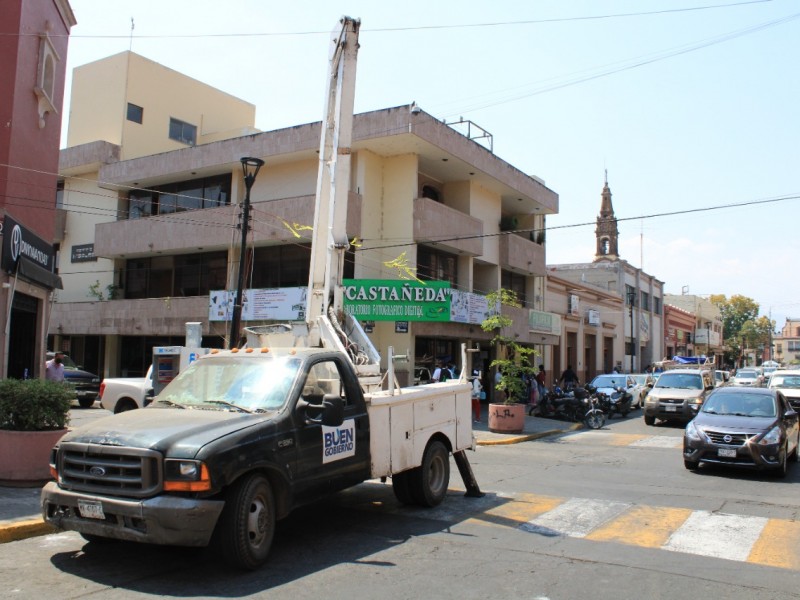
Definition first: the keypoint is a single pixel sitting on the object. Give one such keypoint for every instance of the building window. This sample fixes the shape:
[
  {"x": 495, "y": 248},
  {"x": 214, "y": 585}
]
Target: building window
[
  {"x": 514, "y": 282},
  {"x": 208, "y": 192},
  {"x": 45, "y": 87},
  {"x": 182, "y": 132},
  {"x": 437, "y": 265},
  {"x": 630, "y": 295},
  {"x": 645, "y": 301},
  {"x": 135, "y": 113},
  {"x": 656, "y": 305},
  {"x": 287, "y": 266},
  {"x": 779, "y": 348},
  {"x": 178, "y": 276}
]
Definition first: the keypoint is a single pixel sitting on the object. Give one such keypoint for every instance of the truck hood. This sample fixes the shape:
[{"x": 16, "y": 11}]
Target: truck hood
[{"x": 175, "y": 432}]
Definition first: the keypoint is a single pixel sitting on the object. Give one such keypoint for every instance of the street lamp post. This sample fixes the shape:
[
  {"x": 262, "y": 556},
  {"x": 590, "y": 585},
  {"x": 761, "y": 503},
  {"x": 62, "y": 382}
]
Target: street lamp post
[
  {"x": 631, "y": 300},
  {"x": 250, "y": 167}
]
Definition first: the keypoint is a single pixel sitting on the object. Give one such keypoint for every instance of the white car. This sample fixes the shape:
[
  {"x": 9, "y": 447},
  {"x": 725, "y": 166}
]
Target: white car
[
  {"x": 788, "y": 382},
  {"x": 644, "y": 381},
  {"x": 748, "y": 377}
]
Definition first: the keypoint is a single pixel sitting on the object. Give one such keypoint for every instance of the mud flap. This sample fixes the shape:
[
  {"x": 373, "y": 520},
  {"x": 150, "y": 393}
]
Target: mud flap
[{"x": 467, "y": 476}]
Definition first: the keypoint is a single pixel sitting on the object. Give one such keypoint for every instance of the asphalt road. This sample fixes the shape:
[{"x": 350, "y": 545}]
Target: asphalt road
[{"x": 606, "y": 514}]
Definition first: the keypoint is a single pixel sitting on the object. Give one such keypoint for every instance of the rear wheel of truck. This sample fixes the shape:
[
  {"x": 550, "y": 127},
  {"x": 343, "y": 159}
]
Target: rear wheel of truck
[
  {"x": 86, "y": 402},
  {"x": 429, "y": 481},
  {"x": 247, "y": 524}
]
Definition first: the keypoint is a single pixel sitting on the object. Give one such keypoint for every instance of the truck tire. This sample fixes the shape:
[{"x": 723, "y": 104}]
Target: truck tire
[
  {"x": 401, "y": 485},
  {"x": 86, "y": 402},
  {"x": 429, "y": 481},
  {"x": 247, "y": 523},
  {"x": 649, "y": 420}
]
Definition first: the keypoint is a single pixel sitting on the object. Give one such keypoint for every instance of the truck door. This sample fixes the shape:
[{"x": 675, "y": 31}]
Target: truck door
[{"x": 330, "y": 458}]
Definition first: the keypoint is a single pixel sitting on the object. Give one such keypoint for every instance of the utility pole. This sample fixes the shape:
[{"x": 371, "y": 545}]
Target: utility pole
[
  {"x": 250, "y": 167},
  {"x": 631, "y": 300}
]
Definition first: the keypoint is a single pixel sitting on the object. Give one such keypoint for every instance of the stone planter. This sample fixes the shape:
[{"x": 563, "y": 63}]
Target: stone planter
[
  {"x": 25, "y": 456},
  {"x": 507, "y": 418}
]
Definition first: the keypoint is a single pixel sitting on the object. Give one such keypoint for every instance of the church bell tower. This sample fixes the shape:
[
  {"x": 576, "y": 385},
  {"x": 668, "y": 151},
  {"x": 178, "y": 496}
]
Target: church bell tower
[{"x": 606, "y": 231}]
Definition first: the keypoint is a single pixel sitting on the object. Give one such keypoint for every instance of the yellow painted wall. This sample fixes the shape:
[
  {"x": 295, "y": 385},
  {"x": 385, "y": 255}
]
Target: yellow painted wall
[{"x": 102, "y": 90}]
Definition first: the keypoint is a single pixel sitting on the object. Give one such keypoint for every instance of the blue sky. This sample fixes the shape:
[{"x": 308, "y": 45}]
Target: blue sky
[{"x": 690, "y": 107}]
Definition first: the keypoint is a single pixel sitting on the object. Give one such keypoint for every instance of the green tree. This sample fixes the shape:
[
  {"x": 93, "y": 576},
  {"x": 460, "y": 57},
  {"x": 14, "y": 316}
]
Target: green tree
[
  {"x": 735, "y": 312},
  {"x": 514, "y": 359}
]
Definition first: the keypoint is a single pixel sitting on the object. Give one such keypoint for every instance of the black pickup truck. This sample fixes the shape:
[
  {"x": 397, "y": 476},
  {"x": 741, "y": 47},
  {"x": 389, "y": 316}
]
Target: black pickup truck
[{"x": 239, "y": 439}]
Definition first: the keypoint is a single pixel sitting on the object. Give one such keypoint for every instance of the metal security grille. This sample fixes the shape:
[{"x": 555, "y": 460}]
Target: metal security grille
[{"x": 110, "y": 470}]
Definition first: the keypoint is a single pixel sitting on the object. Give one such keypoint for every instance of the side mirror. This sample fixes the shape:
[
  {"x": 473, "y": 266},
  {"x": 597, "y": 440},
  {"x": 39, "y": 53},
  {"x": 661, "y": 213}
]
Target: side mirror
[{"x": 330, "y": 413}]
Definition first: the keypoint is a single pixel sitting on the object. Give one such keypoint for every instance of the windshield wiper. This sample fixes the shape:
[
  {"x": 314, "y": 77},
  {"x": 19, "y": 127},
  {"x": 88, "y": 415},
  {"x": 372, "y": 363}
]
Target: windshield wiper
[
  {"x": 230, "y": 405},
  {"x": 170, "y": 402}
]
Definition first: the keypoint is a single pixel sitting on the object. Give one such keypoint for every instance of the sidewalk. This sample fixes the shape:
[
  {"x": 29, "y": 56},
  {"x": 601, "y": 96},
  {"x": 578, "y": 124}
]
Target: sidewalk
[
  {"x": 535, "y": 428},
  {"x": 21, "y": 517}
]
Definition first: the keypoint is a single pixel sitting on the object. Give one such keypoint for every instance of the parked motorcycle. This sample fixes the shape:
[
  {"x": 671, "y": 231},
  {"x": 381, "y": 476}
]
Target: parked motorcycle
[
  {"x": 620, "y": 401},
  {"x": 578, "y": 405}
]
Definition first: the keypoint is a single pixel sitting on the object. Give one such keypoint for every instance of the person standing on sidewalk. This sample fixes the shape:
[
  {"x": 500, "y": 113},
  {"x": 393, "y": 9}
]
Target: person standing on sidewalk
[
  {"x": 477, "y": 387},
  {"x": 54, "y": 368}
]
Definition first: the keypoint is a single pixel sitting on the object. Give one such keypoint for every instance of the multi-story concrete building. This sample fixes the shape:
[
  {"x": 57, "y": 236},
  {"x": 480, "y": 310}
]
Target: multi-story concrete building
[
  {"x": 33, "y": 53},
  {"x": 708, "y": 325},
  {"x": 642, "y": 294},
  {"x": 426, "y": 203}
]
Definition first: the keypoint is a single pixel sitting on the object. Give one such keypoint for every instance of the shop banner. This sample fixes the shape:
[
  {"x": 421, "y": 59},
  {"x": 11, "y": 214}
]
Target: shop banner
[
  {"x": 270, "y": 304},
  {"x": 396, "y": 300},
  {"x": 466, "y": 307}
]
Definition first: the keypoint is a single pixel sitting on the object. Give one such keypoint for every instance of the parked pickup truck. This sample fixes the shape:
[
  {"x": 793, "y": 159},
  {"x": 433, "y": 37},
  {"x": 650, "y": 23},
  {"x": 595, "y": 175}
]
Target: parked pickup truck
[
  {"x": 126, "y": 393},
  {"x": 240, "y": 438}
]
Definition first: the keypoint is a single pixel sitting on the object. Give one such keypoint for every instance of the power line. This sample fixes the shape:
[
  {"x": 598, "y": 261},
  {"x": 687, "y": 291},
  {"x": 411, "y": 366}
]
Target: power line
[{"x": 412, "y": 28}]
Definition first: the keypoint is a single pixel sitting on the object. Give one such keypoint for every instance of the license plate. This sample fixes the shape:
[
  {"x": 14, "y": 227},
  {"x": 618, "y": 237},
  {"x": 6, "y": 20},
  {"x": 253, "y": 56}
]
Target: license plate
[
  {"x": 91, "y": 509},
  {"x": 727, "y": 452},
  {"x": 671, "y": 408}
]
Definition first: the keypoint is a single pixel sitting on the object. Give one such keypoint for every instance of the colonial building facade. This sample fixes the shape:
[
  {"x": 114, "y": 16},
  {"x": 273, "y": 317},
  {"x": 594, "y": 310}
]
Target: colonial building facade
[{"x": 639, "y": 311}]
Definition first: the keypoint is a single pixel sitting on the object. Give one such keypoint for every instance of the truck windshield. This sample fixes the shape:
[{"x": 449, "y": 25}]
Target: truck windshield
[
  {"x": 223, "y": 383},
  {"x": 680, "y": 380}
]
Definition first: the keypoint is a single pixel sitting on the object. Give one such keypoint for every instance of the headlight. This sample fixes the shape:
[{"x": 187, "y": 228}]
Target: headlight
[
  {"x": 695, "y": 400},
  {"x": 693, "y": 433},
  {"x": 186, "y": 476},
  {"x": 773, "y": 436}
]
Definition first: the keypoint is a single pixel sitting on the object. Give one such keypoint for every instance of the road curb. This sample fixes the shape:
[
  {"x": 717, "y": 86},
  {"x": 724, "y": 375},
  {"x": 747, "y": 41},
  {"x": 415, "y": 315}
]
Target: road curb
[
  {"x": 528, "y": 437},
  {"x": 20, "y": 530}
]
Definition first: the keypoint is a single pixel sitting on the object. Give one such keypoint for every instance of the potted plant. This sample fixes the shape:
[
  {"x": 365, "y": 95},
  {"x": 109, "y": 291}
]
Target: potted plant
[
  {"x": 513, "y": 363},
  {"x": 33, "y": 416}
]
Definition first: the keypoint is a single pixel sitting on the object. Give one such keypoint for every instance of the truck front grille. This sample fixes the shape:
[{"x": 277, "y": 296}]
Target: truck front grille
[{"x": 110, "y": 470}]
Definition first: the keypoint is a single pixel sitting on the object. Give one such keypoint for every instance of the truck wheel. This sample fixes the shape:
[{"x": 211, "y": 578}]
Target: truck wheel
[
  {"x": 124, "y": 404},
  {"x": 649, "y": 420},
  {"x": 401, "y": 485},
  {"x": 247, "y": 524},
  {"x": 429, "y": 481},
  {"x": 86, "y": 402}
]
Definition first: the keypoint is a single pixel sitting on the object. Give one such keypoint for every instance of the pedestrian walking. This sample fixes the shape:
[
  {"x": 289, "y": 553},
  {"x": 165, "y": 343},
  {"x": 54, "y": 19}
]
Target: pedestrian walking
[
  {"x": 477, "y": 388},
  {"x": 54, "y": 368}
]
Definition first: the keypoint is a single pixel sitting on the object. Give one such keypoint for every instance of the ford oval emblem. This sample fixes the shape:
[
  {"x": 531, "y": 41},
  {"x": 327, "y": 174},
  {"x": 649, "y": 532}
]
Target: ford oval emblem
[
  {"x": 97, "y": 471},
  {"x": 727, "y": 439}
]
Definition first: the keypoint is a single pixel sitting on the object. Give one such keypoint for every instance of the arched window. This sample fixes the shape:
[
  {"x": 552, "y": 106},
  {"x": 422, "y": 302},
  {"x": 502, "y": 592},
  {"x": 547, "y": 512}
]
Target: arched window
[{"x": 605, "y": 246}]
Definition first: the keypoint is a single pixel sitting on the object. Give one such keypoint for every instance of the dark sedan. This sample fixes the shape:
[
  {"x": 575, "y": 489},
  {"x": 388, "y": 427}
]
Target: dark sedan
[{"x": 743, "y": 427}]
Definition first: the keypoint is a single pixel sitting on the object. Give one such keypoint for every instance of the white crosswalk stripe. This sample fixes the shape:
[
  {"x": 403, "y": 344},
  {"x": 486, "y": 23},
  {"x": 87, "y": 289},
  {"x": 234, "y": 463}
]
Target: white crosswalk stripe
[
  {"x": 576, "y": 517},
  {"x": 718, "y": 535}
]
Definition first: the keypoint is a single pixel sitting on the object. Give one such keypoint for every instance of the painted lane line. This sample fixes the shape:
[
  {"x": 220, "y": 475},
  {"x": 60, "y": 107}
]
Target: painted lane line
[
  {"x": 577, "y": 517},
  {"x": 717, "y": 534}
]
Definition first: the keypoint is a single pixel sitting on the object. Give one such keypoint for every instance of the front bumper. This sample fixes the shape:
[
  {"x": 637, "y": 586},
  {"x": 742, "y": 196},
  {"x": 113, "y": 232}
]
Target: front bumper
[
  {"x": 670, "y": 411},
  {"x": 749, "y": 455},
  {"x": 165, "y": 520}
]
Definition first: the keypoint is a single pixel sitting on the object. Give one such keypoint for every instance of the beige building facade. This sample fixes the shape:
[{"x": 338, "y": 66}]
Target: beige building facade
[
  {"x": 707, "y": 335},
  {"x": 787, "y": 343},
  {"x": 162, "y": 224}
]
